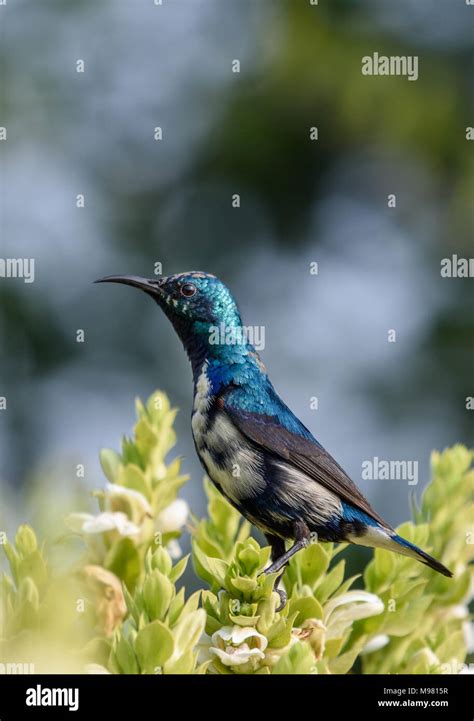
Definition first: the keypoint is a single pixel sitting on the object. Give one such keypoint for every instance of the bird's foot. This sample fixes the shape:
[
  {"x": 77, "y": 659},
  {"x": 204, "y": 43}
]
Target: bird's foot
[
  {"x": 281, "y": 592},
  {"x": 283, "y": 599},
  {"x": 276, "y": 566}
]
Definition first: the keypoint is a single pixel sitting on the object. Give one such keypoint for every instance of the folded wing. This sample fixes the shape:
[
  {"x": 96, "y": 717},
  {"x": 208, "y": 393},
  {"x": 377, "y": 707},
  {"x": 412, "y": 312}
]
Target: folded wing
[{"x": 269, "y": 433}]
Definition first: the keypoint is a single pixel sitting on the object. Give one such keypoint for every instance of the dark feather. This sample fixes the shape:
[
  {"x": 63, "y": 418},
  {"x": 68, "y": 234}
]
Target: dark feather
[{"x": 268, "y": 433}]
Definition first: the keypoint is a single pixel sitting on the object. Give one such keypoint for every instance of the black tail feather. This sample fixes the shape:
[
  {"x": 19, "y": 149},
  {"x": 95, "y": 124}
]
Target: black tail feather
[{"x": 423, "y": 556}]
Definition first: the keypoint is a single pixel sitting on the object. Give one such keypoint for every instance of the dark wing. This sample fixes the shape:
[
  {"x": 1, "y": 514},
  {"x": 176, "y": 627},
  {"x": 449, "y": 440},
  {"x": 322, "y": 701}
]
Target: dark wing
[{"x": 308, "y": 456}]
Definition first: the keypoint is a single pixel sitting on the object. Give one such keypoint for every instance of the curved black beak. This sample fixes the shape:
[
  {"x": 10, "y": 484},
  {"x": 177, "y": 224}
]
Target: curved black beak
[{"x": 149, "y": 285}]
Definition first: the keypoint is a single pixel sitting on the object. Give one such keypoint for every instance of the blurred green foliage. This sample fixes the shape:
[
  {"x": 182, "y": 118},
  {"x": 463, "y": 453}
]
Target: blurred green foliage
[
  {"x": 139, "y": 507},
  {"x": 118, "y": 609}
]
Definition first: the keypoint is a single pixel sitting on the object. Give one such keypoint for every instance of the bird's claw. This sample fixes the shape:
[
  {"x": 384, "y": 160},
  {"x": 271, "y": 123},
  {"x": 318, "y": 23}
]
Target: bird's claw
[
  {"x": 272, "y": 569},
  {"x": 283, "y": 595},
  {"x": 283, "y": 599}
]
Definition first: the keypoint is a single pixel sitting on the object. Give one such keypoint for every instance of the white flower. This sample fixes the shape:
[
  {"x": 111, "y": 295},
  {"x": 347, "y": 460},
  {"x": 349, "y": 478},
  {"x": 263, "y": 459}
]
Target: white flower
[
  {"x": 173, "y": 517},
  {"x": 174, "y": 549},
  {"x": 237, "y": 645},
  {"x": 113, "y": 490},
  {"x": 107, "y": 521},
  {"x": 75, "y": 521},
  {"x": 314, "y": 631},
  {"x": 375, "y": 643},
  {"x": 340, "y": 612}
]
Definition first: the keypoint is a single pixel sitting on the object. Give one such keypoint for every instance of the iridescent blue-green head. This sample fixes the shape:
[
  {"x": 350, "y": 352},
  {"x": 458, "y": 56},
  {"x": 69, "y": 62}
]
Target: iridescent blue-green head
[{"x": 196, "y": 303}]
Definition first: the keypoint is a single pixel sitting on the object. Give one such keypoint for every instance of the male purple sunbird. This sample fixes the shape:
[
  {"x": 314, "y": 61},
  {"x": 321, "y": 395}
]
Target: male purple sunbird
[{"x": 287, "y": 484}]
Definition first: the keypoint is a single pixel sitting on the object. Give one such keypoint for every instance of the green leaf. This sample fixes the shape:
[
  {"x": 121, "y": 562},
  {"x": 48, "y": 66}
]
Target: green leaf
[
  {"x": 243, "y": 584},
  {"x": 146, "y": 437},
  {"x": 126, "y": 656},
  {"x": 298, "y": 659},
  {"x": 331, "y": 582},
  {"x": 201, "y": 670},
  {"x": 279, "y": 635},
  {"x": 182, "y": 665},
  {"x": 157, "y": 594},
  {"x": 210, "y": 569},
  {"x": 343, "y": 663},
  {"x": 28, "y": 592},
  {"x": 218, "y": 568},
  {"x": 384, "y": 562},
  {"x": 192, "y": 603},
  {"x": 154, "y": 646},
  {"x": 209, "y": 546},
  {"x": 176, "y": 607},
  {"x": 111, "y": 464},
  {"x": 123, "y": 560},
  {"x": 133, "y": 477},
  {"x": 407, "y": 617},
  {"x": 188, "y": 631},
  {"x": 130, "y": 453},
  {"x": 452, "y": 647},
  {"x": 200, "y": 565},
  {"x": 34, "y": 567},
  {"x": 311, "y": 563},
  {"x": 131, "y": 604},
  {"x": 13, "y": 560},
  {"x": 455, "y": 589},
  {"x": 25, "y": 540},
  {"x": 249, "y": 560},
  {"x": 306, "y": 608},
  {"x": 161, "y": 560},
  {"x": 224, "y": 517},
  {"x": 178, "y": 570}
]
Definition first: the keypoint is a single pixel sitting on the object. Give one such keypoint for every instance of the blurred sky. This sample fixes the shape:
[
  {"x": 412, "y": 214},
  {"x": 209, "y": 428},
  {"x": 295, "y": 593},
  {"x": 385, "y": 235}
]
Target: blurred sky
[{"x": 170, "y": 201}]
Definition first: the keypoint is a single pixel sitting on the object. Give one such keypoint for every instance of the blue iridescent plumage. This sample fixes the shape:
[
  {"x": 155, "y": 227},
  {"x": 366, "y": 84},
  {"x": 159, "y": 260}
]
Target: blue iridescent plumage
[{"x": 255, "y": 450}]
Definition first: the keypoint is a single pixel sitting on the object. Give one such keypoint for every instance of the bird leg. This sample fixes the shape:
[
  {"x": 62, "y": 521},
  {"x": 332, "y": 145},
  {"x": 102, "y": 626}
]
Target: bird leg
[
  {"x": 302, "y": 539},
  {"x": 278, "y": 550}
]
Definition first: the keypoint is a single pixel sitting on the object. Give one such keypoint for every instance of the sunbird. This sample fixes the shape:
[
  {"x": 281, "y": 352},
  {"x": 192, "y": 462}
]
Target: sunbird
[{"x": 253, "y": 448}]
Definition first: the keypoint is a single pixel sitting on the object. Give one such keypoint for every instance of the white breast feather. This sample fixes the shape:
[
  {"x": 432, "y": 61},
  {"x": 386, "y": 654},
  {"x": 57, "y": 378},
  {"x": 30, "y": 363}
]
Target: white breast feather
[
  {"x": 241, "y": 477},
  {"x": 202, "y": 400},
  {"x": 301, "y": 491}
]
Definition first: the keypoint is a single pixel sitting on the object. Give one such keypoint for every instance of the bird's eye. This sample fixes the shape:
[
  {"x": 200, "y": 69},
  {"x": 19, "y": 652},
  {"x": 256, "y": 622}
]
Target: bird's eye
[{"x": 188, "y": 290}]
